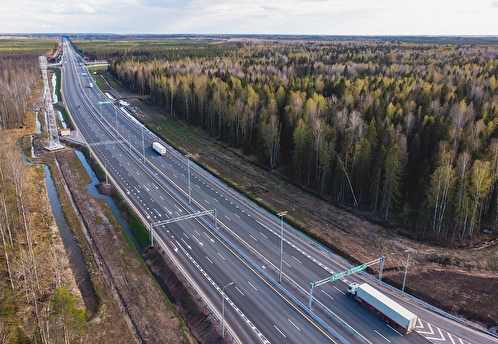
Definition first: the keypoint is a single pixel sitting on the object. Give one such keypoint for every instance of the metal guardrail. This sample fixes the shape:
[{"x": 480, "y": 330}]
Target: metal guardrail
[
  {"x": 146, "y": 223},
  {"x": 298, "y": 233}
]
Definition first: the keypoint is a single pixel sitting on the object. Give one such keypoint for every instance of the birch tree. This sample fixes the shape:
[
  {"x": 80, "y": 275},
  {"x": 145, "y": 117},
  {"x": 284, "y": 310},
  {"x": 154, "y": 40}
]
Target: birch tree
[
  {"x": 462, "y": 202},
  {"x": 271, "y": 133},
  {"x": 172, "y": 86},
  {"x": 479, "y": 187},
  {"x": 250, "y": 113},
  {"x": 493, "y": 148},
  {"x": 441, "y": 187}
]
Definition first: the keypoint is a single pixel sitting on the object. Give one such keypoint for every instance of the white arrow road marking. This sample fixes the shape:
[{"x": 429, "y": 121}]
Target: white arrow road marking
[
  {"x": 186, "y": 244},
  {"x": 208, "y": 237},
  {"x": 200, "y": 243},
  {"x": 174, "y": 247}
]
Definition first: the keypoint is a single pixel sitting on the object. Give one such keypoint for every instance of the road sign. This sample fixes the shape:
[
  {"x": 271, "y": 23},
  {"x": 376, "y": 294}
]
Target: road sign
[
  {"x": 338, "y": 276},
  {"x": 357, "y": 268}
]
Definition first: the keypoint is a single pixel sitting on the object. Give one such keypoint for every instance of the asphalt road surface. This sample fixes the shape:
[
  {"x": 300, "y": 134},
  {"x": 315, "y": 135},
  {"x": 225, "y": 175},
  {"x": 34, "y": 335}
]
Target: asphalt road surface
[{"x": 242, "y": 245}]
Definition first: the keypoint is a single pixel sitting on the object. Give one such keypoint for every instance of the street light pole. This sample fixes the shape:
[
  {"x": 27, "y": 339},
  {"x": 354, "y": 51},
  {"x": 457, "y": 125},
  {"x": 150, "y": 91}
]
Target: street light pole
[
  {"x": 188, "y": 175},
  {"x": 143, "y": 143},
  {"x": 281, "y": 215},
  {"x": 223, "y": 309},
  {"x": 406, "y": 269},
  {"x": 116, "y": 116}
]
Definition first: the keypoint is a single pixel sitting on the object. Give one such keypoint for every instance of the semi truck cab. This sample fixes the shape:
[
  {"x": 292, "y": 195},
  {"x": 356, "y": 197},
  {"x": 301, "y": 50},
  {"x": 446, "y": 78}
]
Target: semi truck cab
[{"x": 352, "y": 288}]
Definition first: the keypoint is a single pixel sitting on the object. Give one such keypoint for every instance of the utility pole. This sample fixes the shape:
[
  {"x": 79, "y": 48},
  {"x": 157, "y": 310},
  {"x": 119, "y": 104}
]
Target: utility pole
[{"x": 281, "y": 215}]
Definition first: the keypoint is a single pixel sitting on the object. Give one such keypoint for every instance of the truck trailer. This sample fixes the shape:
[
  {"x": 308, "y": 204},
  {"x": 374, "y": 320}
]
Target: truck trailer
[
  {"x": 388, "y": 308},
  {"x": 159, "y": 148}
]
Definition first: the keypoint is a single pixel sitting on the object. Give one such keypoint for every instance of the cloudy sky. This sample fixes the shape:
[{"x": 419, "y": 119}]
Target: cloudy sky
[{"x": 323, "y": 17}]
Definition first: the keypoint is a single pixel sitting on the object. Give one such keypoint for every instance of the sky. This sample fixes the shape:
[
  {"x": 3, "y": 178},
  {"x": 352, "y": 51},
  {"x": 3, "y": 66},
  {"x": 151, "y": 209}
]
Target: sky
[{"x": 304, "y": 17}]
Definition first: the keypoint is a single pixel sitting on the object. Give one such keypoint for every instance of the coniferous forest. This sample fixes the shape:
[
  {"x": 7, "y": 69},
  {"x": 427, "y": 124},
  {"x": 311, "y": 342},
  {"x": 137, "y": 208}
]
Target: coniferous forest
[{"x": 404, "y": 131}]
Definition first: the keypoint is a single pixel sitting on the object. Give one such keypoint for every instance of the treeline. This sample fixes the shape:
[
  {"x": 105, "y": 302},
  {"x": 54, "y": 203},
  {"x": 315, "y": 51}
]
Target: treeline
[
  {"x": 19, "y": 72},
  {"x": 99, "y": 49},
  {"x": 37, "y": 305},
  {"x": 407, "y": 132}
]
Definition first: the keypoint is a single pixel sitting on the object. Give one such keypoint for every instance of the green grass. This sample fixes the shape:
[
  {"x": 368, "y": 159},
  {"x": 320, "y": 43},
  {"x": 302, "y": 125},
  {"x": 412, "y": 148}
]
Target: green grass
[
  {"x": 27, "y": 45},
  {"x": 112, "y": 82},
  {"x": 58, "y": 82},
  {"x": 65, "y": 115},
  {"x": 99, "y": 82},
  {"x": 139, "y": 231}
]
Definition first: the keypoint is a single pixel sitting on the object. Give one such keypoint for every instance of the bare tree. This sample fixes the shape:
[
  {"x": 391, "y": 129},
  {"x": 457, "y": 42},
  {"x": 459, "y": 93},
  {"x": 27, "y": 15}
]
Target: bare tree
[
  {"x": 493, "y": 148},
  {"x": 172, "y": 86},
  {"x": 6, "y": 248},
  {"x": 441, "y": 188},
  {"x": 27, "y": 259},
  {"x": 5, "y": 334},
  {"x": 462, "y": 204},
  {"x": 17, "y": 80},
  {"x": 409, "y": 124},
  {"x": 480, "y": 182},
  {"x": 271, "y": 134}
]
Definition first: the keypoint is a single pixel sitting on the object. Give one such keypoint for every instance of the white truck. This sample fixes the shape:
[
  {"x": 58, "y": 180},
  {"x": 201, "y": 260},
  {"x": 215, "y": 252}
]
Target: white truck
[
  {"x": 389, "y": 309},
  {"x": 159, "y": 148},
  {"x": 90, "y": 85}
]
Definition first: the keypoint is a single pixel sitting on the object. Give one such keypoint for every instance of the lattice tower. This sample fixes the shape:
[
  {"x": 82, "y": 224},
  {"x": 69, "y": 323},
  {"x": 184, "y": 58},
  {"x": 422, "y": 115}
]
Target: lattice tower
[{"x": 53, "y": 135}]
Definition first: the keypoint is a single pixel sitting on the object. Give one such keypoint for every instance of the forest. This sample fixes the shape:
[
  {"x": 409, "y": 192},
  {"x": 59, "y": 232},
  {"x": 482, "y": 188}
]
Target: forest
[
  {"x": 405, "y": 132},
  {"x": 36, "y": 303},
  {"x": 19, "y": 72}
]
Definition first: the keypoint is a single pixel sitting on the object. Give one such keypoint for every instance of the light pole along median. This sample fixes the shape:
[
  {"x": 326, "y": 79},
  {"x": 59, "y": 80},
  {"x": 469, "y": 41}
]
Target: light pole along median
[
  {"x": 223, "y": 309},
  {"x": 188, "y": 176},
  {"x": 281, "y": 215}
]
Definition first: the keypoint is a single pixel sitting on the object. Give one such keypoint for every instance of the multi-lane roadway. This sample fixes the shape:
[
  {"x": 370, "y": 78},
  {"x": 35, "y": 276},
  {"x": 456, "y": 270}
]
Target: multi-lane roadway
[{"x": 244, "y": 248}]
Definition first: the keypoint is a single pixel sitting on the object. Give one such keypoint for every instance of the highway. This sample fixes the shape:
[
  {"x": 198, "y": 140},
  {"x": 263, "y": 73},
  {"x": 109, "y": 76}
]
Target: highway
[
  {"x": 243, "y": 248},
  {"x": 255, "y": 311}
]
